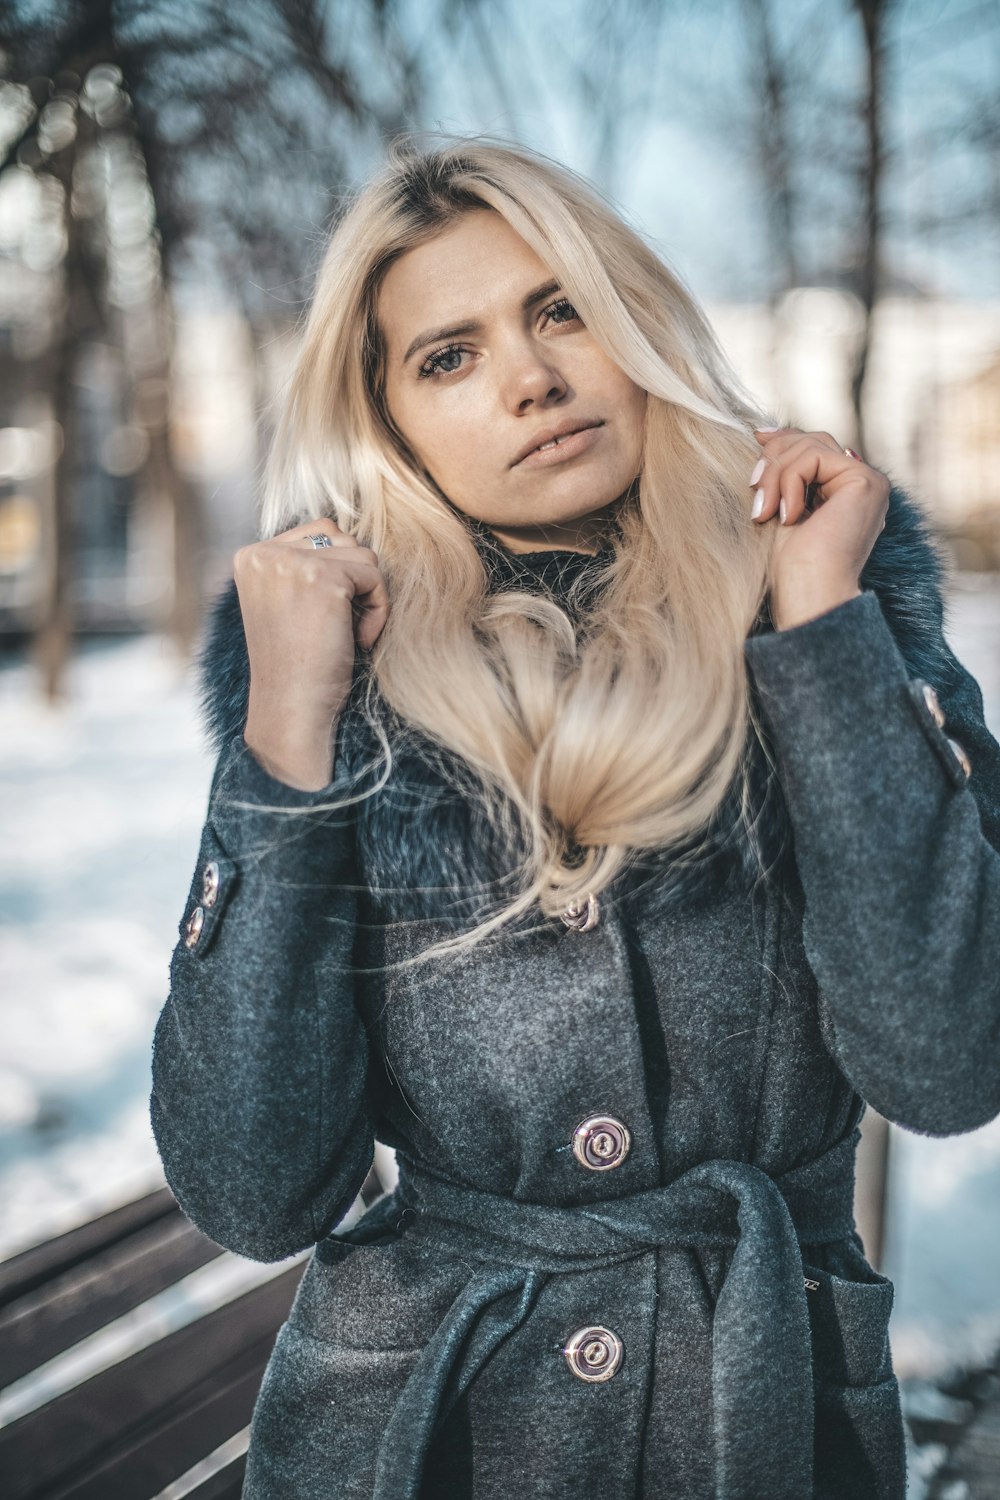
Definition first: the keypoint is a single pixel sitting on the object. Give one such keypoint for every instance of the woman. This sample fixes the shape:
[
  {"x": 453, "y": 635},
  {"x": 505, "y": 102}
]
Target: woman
[{"x": 600, "y": 818}]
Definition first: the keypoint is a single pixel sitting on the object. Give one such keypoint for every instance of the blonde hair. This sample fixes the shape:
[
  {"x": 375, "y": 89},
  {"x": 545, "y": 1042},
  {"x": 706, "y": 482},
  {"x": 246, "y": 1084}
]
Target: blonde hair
[{"x": 590, "y": 745}]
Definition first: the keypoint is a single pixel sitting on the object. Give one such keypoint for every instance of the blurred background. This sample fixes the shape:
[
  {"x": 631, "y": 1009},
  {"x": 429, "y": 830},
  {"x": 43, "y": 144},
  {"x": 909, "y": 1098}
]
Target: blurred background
[{"x": 826, "y": 179}]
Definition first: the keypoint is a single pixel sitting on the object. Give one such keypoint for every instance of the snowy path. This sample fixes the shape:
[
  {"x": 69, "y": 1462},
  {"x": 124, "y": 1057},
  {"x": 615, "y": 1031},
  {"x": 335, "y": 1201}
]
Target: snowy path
[{"x": 102, "y": 805}]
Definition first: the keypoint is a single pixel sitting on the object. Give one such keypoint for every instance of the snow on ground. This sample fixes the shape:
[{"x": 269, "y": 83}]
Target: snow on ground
[{"x": 103, "y": 800}]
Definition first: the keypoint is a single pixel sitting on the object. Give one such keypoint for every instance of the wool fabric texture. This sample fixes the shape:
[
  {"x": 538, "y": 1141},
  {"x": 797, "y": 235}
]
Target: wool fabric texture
[{"x": 734, "y": 1012}]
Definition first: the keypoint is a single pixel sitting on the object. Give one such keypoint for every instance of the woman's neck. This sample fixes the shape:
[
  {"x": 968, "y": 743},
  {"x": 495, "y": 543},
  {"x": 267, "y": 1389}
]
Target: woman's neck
[
  {"x": 548, "y": 538},
  {"x": 587, "y": 534}
]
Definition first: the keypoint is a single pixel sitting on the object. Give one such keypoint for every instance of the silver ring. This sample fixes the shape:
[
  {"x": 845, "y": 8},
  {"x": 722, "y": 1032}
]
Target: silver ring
[{"x": 319, "y": 540}]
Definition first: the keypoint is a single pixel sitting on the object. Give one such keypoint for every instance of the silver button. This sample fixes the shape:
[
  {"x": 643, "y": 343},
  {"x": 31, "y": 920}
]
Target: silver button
[
  {"x": 582, "y": 918},
  {"x": 931, "y": 699},
  {"x": 961, "y": 756},
  {"x": 193, "y": 926},
  {"x": 594, "y": 1353},
  {"x": 210, "y": 883},
  {"x": 601, "y": 1142}
]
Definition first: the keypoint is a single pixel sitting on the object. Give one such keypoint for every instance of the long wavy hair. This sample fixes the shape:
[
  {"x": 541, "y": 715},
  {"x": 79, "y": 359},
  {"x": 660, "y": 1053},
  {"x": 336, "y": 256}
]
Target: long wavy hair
[{"x": 584, "y": 745}]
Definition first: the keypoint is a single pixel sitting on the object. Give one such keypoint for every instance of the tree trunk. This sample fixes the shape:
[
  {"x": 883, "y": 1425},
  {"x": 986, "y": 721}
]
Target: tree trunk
[
  {"x": 81, "y": 317},
  {"x": 872, "y": 14}
]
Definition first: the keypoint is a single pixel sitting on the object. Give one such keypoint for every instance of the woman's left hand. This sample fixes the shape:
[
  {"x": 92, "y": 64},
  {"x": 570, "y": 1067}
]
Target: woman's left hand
[{"x": 824, "y": 540}]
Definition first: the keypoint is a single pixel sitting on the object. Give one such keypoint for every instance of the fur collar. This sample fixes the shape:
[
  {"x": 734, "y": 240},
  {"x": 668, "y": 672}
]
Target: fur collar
[{"x": 425, "y": 849}]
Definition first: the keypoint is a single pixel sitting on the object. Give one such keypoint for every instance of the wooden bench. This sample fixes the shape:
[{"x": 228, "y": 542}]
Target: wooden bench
[{"x": 131, "y": 1353}]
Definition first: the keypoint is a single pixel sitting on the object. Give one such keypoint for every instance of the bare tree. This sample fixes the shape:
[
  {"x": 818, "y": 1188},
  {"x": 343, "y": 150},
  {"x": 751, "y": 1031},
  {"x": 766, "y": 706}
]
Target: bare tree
[
  {"x": 873, "y": 15},
  {"x": 241, "y": 123},
  {"x": 772, "y": 133}
]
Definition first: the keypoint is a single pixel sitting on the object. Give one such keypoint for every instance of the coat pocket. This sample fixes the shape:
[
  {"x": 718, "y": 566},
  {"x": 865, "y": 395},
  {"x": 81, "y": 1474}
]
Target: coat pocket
[
  {"x": 849, "y": 1312},
  {"x": 859, "y": 1444}
]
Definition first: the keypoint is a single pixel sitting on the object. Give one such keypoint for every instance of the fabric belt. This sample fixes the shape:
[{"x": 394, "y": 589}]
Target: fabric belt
[{"x": 762, "y": 1404}]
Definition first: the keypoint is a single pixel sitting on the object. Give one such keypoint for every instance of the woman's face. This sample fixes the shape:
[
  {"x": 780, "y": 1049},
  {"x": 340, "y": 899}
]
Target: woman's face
[{"x": 486, "y": 361}]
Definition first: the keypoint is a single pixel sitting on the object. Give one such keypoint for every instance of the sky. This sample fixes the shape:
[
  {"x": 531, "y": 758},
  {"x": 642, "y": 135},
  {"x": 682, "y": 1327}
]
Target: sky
[{"x": 683, "y": 172}]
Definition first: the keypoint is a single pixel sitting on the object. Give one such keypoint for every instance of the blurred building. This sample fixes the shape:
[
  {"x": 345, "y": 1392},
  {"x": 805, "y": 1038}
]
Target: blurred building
[{"x": 933, "y": 394}]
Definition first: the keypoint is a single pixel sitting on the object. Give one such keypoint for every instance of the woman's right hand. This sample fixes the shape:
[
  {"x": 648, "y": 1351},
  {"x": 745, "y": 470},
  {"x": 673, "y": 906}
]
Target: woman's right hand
[{"x": 303, "y": 607}]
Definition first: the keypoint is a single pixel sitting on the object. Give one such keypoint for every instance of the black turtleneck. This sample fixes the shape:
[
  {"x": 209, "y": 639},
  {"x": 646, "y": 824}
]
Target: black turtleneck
[{"x": 550, "y": 570}]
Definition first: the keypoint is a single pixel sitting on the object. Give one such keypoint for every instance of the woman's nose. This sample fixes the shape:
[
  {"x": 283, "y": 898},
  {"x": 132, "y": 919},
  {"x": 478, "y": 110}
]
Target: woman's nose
[{"x": 532, "y": 381}]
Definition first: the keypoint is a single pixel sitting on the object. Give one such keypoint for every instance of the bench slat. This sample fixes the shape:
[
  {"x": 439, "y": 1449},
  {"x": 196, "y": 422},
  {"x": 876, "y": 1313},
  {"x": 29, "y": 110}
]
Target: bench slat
[
  {"x": 157, "y": 1455},
  {"x": 139, "y": 1403},
  {"x": 49, "y": 1319},
  {"x": 226, "y": 1485},
  {"x": 35, "y": 1266}
]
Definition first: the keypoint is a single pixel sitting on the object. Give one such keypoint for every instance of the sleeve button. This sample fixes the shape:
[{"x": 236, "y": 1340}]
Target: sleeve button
[
  {"x": 210, "y": 883},
  {"x": 931, "y": 699},
  {"x": 193, "y": 926},
  {"x": 960, "y": 755}
]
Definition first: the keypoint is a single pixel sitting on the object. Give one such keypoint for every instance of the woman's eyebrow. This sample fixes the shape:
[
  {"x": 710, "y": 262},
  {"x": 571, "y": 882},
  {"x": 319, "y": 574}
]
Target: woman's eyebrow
[{"x": 434, "y": 335}]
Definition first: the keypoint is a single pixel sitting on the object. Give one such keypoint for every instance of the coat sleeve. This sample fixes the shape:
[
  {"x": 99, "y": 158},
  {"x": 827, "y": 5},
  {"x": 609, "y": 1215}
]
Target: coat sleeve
[
  {"x": 258, "y": 1105},
  {"x": 897, "y": 849}
]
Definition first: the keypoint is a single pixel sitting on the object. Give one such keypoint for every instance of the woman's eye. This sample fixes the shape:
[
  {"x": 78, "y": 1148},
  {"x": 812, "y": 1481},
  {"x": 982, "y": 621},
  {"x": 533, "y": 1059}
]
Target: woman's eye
[
  {"x": 562, "y": 311},
  {"x": 442, "y": 361}
]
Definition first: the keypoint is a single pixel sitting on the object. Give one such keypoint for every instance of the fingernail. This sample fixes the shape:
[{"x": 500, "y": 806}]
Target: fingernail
[
  {"x": 758, "y": 470},
  {"x": 782, "y": 510},
  {"x": 767, "y": 429},
  {"x": 758, "y": 505}
]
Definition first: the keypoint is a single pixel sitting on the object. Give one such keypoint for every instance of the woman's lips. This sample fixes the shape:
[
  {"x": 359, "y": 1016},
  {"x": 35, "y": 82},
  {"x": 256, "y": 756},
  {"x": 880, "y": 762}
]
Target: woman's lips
[{"x": 562, "y": 449}]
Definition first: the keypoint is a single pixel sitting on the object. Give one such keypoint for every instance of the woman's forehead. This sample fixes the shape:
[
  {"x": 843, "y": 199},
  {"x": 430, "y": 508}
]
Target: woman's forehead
[{"x": 473, "y": 269}]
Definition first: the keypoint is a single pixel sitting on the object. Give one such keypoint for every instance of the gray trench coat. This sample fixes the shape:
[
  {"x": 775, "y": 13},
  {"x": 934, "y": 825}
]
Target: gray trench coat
[{"x": 621, "y": 1260}]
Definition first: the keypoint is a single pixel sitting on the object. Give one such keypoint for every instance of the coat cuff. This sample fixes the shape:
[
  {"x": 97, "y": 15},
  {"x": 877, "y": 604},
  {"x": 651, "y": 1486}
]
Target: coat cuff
[
  {"x": 262, "y": 834},
  {"x": 251, "y": 807},
  {"x": 838, "y": 684}
]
